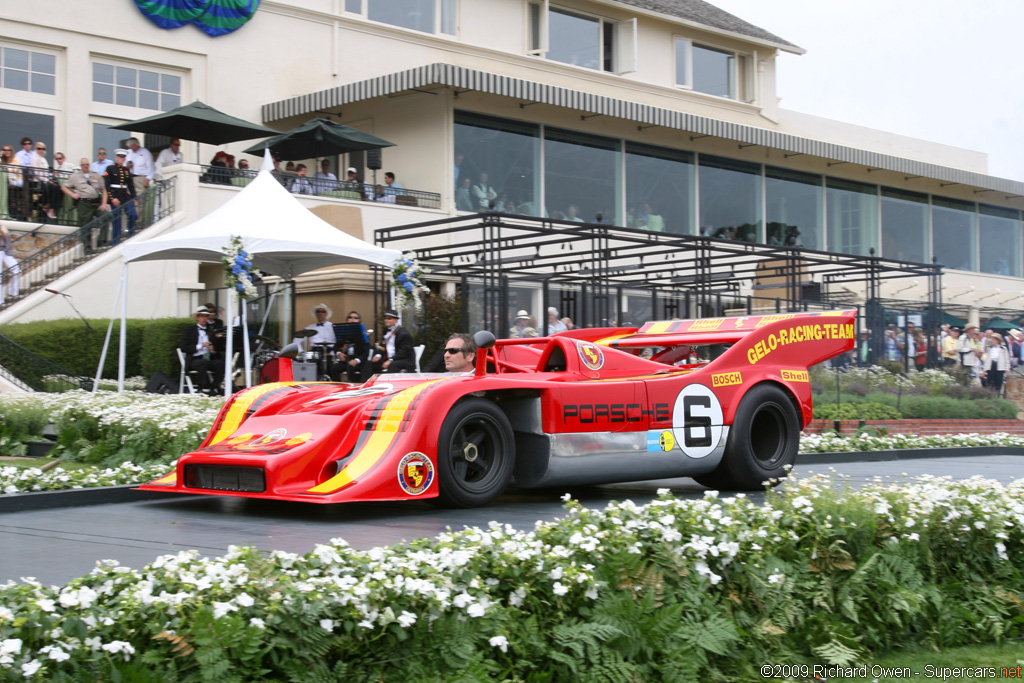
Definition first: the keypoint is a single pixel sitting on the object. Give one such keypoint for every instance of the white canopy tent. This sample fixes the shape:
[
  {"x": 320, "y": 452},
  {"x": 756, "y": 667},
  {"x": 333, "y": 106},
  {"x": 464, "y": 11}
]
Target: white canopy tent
[{"x": 282, "y": 236}]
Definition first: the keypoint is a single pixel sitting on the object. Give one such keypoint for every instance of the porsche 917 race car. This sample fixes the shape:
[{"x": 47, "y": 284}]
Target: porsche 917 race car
[{"x": 588, "y": 406}]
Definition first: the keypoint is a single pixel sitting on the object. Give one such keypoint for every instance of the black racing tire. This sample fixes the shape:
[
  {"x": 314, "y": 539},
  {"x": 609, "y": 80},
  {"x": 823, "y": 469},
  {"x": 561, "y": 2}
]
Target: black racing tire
[
  {"x": 476, "y": 454},
  {"x": 763, "y": 440}
]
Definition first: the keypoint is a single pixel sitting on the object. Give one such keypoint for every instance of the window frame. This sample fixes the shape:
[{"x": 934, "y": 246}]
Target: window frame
[
  {"x": 617, "y": 45},
  {"x": 29, "y": 96},
  {"x": 443, "y": 9},
  {"x": 742, "y": 80},
  {"x": 161, "y": 71}
]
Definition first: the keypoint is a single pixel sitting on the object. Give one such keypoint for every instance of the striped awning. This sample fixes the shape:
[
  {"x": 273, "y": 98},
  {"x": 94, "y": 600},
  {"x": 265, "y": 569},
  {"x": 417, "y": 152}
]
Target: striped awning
[{"x": 463, "y": 78}]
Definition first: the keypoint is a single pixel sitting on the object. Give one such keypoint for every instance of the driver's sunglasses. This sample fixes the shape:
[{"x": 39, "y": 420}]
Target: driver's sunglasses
[{"x": 452, "y": 351}]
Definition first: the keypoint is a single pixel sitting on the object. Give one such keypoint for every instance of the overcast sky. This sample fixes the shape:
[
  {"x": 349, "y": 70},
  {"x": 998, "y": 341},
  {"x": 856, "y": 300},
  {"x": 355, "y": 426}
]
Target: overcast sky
[{"x": 947, "y": 71}]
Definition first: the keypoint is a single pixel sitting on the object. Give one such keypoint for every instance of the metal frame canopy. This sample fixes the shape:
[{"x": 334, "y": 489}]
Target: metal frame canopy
[{"x": 496, "y": 250}]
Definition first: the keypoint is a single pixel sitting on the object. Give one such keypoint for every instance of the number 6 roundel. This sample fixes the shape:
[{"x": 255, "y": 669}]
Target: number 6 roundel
[{"x": 697, "y": 421}]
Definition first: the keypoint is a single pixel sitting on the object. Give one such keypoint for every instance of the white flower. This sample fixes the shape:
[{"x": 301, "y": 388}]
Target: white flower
[
  {"x": 29, "y": 668},
  {"x": 327, "y": 624},
  {"x": 55, "y": 653},
  {"x": 116, "y": 646},
  {"x": 566, "y": 497},
  {"x": 776, "y": 578},
  {"x": 11, "y": 646},
  {"x": 257, "y": 622},
  {"x": 245, "y": 600},
  {"x": 500, "y": 642},
  {"x": 406, "y": 619},
  {"x": 559, "y": 589}
]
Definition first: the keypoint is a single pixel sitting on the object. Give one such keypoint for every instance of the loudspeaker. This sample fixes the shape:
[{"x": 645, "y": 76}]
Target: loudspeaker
[
  {"x": 160, "y": 383},
  {"x": 373, "y": 161},
  {"x": 811, "y": 291},
  {"x": 304, "y": 372}
]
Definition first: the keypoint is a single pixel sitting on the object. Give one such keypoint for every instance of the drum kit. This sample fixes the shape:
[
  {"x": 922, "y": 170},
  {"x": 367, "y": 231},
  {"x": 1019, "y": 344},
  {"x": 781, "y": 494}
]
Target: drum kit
[{"x": 320, "y": 355}]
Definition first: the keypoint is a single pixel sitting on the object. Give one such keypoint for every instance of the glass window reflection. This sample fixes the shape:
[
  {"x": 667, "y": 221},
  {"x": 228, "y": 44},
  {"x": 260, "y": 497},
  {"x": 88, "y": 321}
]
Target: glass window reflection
[
  {"x": 793, "y": 202},
  {"x": 581, "y": 178},
  {"x": 508, "y": 153},
  {"x": 999, "y": 240},
  {"x": 904, "y": 225},
  {"x": 953, "y": 233},
  {"x": 659, "y": 189},
  {"x": 414, "y": 14},
  {"x": 714, "y": 71},
  {"x": 730, "y": 199},
  {"x": 852, "y": 217}
]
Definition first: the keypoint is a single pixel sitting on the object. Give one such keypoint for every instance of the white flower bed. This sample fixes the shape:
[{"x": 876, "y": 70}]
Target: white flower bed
[
  {"x": 493, "y": 580},
  {"x": 834, "y": 443},
  {"x": 30, "y": 479}
]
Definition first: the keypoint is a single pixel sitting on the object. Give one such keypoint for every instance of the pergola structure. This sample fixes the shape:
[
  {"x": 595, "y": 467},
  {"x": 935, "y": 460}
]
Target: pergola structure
[{"x": 586, "y": 268}]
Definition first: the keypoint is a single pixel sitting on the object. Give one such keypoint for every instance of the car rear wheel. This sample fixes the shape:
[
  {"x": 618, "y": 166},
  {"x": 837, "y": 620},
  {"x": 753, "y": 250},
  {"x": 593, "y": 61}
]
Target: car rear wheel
[
  {"x": 475, "y": 454},
  {"x": 763, "y": 440}
]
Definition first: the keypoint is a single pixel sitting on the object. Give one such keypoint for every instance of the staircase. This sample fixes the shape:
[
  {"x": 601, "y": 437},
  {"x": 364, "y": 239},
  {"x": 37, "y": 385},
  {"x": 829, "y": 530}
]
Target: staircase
[
  {"x": 32, "y": 372},
  {"x": 70, "y": 251}
]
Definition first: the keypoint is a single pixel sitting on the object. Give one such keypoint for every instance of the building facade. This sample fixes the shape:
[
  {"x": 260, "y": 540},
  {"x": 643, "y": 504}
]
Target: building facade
[{"x": 660, "y": 115}]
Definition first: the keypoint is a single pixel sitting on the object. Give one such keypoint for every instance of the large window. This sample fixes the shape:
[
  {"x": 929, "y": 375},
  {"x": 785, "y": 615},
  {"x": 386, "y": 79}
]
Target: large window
[
  {"x": 793, "y": 203},
  {"x": 999, "y": 240},
  {"x": 429, "y": 16},
  {"x": 508, "y": 154},
  {"x": 905, "y": 225},
  {"x": 581, "y": 39},
  {"x": 954, "y": 234},
  {"x": 27, "y": 70},
  {"x": 659, "y": 189},
  {"x": 712, "y": 70},
  {"x": 730, "y": 199},
  {"x": 852, "y": 217},
  {"x": 14, "y": 125},
  {"x": 581, "y": 178},
  {"x": 130, "y": 87}
]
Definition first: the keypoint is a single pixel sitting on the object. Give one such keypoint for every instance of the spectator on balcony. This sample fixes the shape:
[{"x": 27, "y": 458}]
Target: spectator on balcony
[
  {"x": 218, "y": 174},
  {"x": 301, "y": 184},
  {"x": 10, "y": 264},
  {"x": 169, "y": 156},
  {"x": 140, "y": 163},
  {"x": 483, "y": 194},
  {"x": 61, "y": 163},
  {"x": 121, "y": 191},
  {"x": 12, "y": 182},
  {"x": 102, "y": 162},
  {"x": 458, "y": 168},
  {"x": 89, "y": 192},
  {"x": 571, "y": 214},
  {"x": 24, "y": 155},
  {"x": 325, "y": 181},
  {"x": 243, "y": 165},
  {"x": 392, "y": 187},
  {"x": 44, "y": 182},
  {"x": 464, "y": 197}
]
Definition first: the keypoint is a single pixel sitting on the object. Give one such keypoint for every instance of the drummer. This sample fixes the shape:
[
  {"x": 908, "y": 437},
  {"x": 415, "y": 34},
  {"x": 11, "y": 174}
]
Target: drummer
[{"x": 323, "y": 330}]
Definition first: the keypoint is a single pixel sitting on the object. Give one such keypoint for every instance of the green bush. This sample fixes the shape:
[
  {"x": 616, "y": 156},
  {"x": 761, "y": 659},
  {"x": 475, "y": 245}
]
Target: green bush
[
  {"x": 149, "y": 344},
  {"x": 856, "y": 411},
  {"x": 441, "y": 317},
  {"x": 913, "y": 406}
]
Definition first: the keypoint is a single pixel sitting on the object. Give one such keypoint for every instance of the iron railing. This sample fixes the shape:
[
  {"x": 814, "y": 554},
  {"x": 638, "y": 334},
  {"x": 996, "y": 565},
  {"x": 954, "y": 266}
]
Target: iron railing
[
  {"x": 324, "y": 187},
  {"x": 32, "y": 371},
  {"x": 26, "y": 192},
  {"x": 50, "y": 262}
]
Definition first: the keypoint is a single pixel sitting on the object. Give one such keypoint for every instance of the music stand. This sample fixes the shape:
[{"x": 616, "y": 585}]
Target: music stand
[{"x": 350, "y": 332}]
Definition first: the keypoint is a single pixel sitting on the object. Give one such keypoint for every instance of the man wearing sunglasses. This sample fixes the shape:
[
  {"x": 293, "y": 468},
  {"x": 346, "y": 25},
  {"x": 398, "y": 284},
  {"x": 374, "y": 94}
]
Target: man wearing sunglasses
[{"x": 460, "y": 353}]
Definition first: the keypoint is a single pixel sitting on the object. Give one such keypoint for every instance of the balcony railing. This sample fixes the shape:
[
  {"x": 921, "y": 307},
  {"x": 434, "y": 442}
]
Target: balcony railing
[
  {"x": 32, "y": 371},
  {"x": 321, "y": 187},
  {"x": 50, "y": 262},
  {"x": 24, "y": 193}
]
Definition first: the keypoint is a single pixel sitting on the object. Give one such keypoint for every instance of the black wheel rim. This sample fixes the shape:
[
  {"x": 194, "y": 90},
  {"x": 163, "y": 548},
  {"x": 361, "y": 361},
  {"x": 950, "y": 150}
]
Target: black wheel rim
[
  {"x": 769, "y": 435},
  {"x": 475, "y": 453}
]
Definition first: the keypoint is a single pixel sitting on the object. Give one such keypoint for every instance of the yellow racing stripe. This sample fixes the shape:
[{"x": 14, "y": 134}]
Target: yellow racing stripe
[
  {"x": 239, "y": 408},
  {"x": 169, "y": 480},
  {"x": 384, "y": 433}
]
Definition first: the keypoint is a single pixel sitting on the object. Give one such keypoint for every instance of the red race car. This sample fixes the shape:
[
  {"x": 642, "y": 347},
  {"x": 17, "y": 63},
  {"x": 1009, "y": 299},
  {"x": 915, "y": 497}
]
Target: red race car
[{"x": 589, "y": 406}]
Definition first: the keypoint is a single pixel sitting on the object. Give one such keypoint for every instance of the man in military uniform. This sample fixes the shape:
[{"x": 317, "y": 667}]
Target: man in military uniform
[
  {"x": 89, "y": 191},
  {"x": 121, "y": 189}
]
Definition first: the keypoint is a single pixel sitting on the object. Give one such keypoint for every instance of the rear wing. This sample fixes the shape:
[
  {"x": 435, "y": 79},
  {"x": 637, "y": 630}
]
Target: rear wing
[{"x": 800, "y": 339}]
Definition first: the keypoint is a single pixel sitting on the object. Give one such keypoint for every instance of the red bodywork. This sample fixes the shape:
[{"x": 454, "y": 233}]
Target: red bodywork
[{"x": 329, "y": 443}]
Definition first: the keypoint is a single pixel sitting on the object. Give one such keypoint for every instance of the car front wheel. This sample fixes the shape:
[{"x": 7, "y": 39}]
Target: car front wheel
[{"x": 475, "y": 454}]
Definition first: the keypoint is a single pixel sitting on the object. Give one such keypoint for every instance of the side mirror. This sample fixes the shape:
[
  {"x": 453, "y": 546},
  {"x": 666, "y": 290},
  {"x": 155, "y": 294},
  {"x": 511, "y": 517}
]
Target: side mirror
[{"x": 483, "y": 340}]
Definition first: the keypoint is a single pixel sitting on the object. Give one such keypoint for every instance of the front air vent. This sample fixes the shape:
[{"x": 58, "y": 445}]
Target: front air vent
[{"x": 226, "y": 478}]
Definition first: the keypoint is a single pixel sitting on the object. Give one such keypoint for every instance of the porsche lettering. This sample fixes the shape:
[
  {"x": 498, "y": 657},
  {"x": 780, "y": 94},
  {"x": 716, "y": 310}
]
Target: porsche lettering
[
  {"x": 585, "y": 413},
  {"x": 799, "y": 333}
]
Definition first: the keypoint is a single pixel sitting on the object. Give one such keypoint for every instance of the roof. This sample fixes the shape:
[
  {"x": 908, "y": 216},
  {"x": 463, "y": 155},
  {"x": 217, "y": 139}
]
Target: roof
[
  {"x": 463, "y": 78},
  {"x": 700, "y": 12}
]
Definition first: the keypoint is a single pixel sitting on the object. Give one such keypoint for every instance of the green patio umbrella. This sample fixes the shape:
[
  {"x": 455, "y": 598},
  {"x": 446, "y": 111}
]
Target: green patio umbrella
[
  {"x": 998, "y": 323},
  {"x": 200, "y": 123},
  {"x": 318, "y": 138}
]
